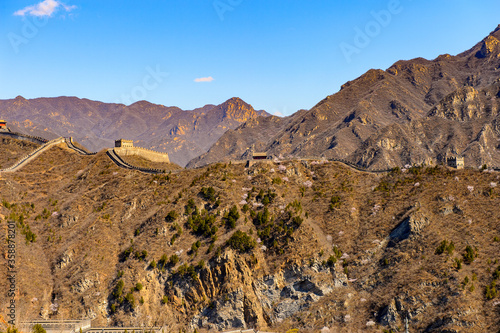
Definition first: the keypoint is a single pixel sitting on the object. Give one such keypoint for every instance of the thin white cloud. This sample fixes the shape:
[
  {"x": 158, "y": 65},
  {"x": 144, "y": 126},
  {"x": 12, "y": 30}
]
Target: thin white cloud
[
  {"x": 44, "y": 8},
  {"x": 204, "y": 79},
  {"x": 278, "y": 113}
]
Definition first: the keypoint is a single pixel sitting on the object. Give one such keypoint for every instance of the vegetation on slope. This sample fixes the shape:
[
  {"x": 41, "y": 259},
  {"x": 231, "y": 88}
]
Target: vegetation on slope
[{"x": 178, "y": 249}]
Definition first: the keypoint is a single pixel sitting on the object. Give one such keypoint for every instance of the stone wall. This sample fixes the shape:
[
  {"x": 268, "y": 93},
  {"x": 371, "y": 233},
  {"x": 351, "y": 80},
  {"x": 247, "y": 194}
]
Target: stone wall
[
  {"x": 19, "y": 136},
  {"x": 151, "y": 155},
  {"x": 59, "y": 326}
]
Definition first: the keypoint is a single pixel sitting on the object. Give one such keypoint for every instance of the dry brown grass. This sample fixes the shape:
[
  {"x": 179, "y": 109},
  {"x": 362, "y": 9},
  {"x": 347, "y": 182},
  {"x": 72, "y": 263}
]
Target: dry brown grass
[
  {"x": 13, "y": 149},
  {"x": 116, "y": 207}
]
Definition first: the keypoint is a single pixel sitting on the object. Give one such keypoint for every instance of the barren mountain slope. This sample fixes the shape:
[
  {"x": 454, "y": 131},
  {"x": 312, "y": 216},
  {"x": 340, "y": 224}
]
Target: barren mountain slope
[
  {"x": 183, "y": 134},
  {"x": 466, "y": 122},
  {"x": 337, "y": 125},
  {"x": 307, "y": 245},
  {"x": 13, "y": 149}
]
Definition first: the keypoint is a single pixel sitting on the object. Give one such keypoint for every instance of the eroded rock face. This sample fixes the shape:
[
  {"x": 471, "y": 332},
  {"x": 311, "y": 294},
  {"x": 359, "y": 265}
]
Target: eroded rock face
[
  {"x": 244, "y": 300},
  {"x": 85, "y": 283},
  {"x": 488, "y": 47},
  {"x": 412, "y": 225},
  {"x": 389, "y": 315},
  {"x": 65, "y": 259}
]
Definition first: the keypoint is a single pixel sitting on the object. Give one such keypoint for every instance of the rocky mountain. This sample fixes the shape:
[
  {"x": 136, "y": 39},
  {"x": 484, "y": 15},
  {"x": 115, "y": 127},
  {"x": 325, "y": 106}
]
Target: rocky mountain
[
  {"x": 341, "y": 123},
  {"x": 310, "y": 245},
  {"x": 183, "y": 134},
  {"x": 466, "y": 122}
]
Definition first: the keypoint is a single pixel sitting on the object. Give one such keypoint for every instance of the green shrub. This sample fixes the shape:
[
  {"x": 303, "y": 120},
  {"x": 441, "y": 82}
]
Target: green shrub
[
  {"x": 491, "y": 291},
  {"x": 245, "y": 208},
  {"x": 138, "y": 286},
  {"x": 241, "y": 242},
  {"x": 262, "y": 218},
  {"x": 335, "y": 202},
  {"x": 445, "y": 247},
  {"x": 128, "y": 252},
  {"x": 37, "y": 328},
  {"x": 277, "y": 181},
  {"x": 469, "y": 255},
  {"x": 152, "y": 264},
  {"x": 208, "y": 193},
  {"x": 297, "y": 221},
  {"x": 130, "y": 299},
  {"x": 163, "y": 261},
  {"x": 187, "y": 270},
  {"x": 331, "y": 260},
  {"x": 202, "y": 224},
  {"x": 266, "y": 197},
  {"x": 30, "y": 236},
  {"x": 164, "y": 300},
  {"x": 171, "y": 216},
  {"x": 337, "y": 252},
  {"x": 232, "y": 216},
  {"x": 196, "y": 245},
  {"x": 119, "y": 289},
  {"x": 458, "y": 263},
  {"x": 496, "y": 273},
  {"x": 174, "y": 259},
  {"x": 383, "y": 186}
]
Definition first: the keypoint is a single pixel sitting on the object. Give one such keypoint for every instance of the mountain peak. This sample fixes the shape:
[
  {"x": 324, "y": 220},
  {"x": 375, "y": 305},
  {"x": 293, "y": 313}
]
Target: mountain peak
[
  {"x": 236, "y": 101},
  {"x": 142, "y": 104}
]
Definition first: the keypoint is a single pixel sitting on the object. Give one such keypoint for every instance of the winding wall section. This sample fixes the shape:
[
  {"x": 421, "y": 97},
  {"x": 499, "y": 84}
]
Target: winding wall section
[
  {"x": 28, "y": 158},
  {"x": 113, "y": 155}
]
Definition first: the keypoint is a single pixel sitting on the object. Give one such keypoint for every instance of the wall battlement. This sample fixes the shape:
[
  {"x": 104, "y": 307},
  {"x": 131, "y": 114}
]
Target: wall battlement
[{"x": 149, "y": 154}]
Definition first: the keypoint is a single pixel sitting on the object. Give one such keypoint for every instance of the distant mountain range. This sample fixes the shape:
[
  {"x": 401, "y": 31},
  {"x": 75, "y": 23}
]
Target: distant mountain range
[
  {"x": 183, "y": 134},
  {"x": 416, "y": 111}
]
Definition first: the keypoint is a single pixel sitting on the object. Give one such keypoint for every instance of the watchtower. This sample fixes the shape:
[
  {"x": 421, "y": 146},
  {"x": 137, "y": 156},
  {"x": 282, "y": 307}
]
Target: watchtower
[
  {"x": 259, "y": 156},
  {"x": 124, "y": 143},
  {"x": 456, "y": 162}
]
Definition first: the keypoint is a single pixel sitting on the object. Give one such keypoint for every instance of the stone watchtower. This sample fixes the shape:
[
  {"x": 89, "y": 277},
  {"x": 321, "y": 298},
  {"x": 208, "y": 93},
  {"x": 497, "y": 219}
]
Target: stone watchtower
[
  {"x": 456, "y": 162},
  {"x": 124, "y": 143}
]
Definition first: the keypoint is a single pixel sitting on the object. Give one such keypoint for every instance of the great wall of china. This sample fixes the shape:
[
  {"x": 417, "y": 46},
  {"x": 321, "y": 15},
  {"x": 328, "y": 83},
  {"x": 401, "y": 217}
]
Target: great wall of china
[
  {"x": 111, "y": 153},
  {"x": 114, "y": 155},
  {"x": 149, "y": 154}
]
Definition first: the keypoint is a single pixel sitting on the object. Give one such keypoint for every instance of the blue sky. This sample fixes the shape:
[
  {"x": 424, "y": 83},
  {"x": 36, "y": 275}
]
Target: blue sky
[{"x": 278, "y": 55}]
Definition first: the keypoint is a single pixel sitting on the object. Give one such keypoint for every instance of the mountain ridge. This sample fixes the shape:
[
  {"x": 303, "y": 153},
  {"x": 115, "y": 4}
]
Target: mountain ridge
[
  {"x": 182, "y": 134},
  {"x": 338, "y": 125}
]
